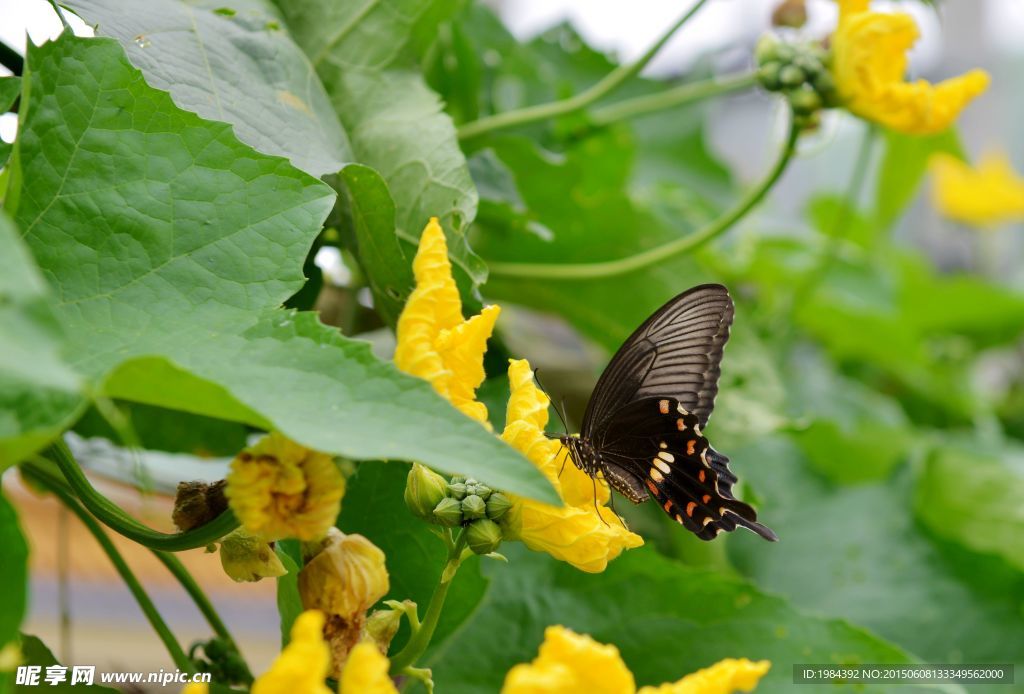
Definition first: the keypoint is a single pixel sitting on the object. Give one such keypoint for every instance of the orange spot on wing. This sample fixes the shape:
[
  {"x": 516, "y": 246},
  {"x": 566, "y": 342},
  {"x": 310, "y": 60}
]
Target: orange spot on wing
[
  {"x": 707, "y": 498},
  {"x": 689, "y": 508},
  {"x": 653, "y": 487},
  {"x": 663, "y": 406},
  {"x": 690, "y": 446},
  {"x": 668, "y": 506},
  {"x": 701, "y": 476}
]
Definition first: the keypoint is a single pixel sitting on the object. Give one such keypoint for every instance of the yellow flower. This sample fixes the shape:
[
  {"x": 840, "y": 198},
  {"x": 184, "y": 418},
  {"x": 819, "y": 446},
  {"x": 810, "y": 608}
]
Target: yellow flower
[
  {"x": 366, "y": 672},
  {"x": 343, "y": 580},
  {"x": 577, "y": 532},
  {"x": 248, "y": 558},
  {"x": 869, "y": 64},
  {"x": 570, "y": 663},
  {"x": 985, "y": 196},
  {"x": 303, "y": 664},
  {"x": 279, "y": 489},
  {"x": 434, "y": 342},
  {"x": 724, "y": 677}
]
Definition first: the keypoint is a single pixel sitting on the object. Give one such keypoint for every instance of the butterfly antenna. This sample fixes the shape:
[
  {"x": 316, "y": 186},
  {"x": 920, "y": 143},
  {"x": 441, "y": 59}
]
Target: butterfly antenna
[{"x": 560, "y": 415}]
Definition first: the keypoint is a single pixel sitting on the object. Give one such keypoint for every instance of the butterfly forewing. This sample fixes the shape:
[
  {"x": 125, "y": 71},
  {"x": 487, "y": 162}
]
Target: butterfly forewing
[
  {"x": 656, "y": 445},
  {"x": 676, "y": 352}
]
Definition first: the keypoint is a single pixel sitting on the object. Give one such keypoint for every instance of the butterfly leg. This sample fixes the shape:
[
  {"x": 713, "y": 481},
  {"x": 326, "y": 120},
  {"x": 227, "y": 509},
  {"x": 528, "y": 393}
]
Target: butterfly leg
[
  {"x": 593, "y": 478},
  {"x": 611, "y": 505}
]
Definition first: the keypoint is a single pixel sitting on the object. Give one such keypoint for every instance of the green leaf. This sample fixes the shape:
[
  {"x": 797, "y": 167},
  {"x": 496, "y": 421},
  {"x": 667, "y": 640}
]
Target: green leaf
[
  {"x": 372, "y": 212},
  {"x": 39, "y": 393},
  {"x": 667, "y": 620},
  {"x": 374, "y": 507},
  {"x": 14, "y": 578},
  {"x": 903, "y": 166},
  {"x": 239, "y": 68},
  {"x": 289, "y": 603},
  {"x": 361, "y": 51},
  {"x": 975, "y": 500},
  {"x": 856, "y": 552},
  {"x": 833, "y": 215},
  {"x": 35, "y": 652},
  {"x": 10, "y": 88},
  {"x": 172, "y": 300}
]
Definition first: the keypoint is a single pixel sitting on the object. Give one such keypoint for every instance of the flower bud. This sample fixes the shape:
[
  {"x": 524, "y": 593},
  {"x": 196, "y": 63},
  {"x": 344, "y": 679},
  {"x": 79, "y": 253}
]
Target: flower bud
[
  {"x": 805, "y": 101},
  {"x": 790, "y": 13},
  {"x": 791, "y": 76},
  {"x": 473, "y": 507},
  {"x": 247, "y": 558},
  {"x": 381, "y": 627},
  {"x": 768, "y": 75},
  {"x": 448, "y": 512},
  {"x": 197, "y": 503},
  {"x": 457, "y": 478},
  {"x": 497, "y": 505},
  {"x": 457, "y": 490},
  {"x": 483, "y": 491},
  {"x": 766, "y": 50},
  {"x": 483, "y": 536},
  {"x": 825, "y": 85},
  {"x": 424, "y": 488}
]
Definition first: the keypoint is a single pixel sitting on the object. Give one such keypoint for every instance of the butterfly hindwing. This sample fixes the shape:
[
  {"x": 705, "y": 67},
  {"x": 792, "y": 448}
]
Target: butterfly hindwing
[{"x": 654, "y": 447}]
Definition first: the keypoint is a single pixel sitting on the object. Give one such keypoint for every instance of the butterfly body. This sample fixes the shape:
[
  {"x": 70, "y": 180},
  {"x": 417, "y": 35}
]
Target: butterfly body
[{"x": 642, "y": 431}]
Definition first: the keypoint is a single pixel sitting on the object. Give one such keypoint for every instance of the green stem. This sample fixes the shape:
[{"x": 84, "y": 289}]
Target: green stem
[
  {"x": 419, "y": 641},
  {"x": 610, "y": 82},
  {"x": 117, "y": 520},
  {"x": 841, "y": 225},
  {"x": 43, "y": 478},
  {"x": 672, "y": 98},
  {"x": 60, "y": 16},
  {"x": 187, "y": 582},
  {"x": 658, "y": 254}
]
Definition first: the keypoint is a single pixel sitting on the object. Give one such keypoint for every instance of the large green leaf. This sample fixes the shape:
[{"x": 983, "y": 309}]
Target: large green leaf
[
  {"x": 171, "y": 299},
  {"x": 233, "y": 65},
  {"x": 666, "y": 619},
  {"x": 14, "y": 577},
  {"x": 39, "y": 392},
  {"x": 363, "y": 52},
  {"x": 856, "y": 552},
  {"x": 974, "y": 498}
]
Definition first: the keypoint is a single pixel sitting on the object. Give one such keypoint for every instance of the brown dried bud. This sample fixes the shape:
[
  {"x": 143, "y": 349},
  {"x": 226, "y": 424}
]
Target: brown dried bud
[{"x": 197, "y": 503}]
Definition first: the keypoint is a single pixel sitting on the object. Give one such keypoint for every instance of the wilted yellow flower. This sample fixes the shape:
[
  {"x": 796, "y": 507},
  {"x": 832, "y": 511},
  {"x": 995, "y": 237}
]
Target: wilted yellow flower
[
  {"x": 366, "y": 672},
  {"x": 343, "y": 580},
  {"x": 576, "y": 532},
  {"x": 869, "y": 65},
  {"x": 984, "y": 196},
  {"x": 248, "y": 558},
  {"x": 571, "y": 663},
  {"x": 279, "y": 489},
  {"x": 434, "y": 342},
  {"x": 303, "y": 664}
]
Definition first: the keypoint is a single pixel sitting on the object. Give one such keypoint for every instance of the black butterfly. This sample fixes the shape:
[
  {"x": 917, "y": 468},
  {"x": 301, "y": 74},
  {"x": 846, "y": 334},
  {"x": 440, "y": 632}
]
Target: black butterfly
[{"x": 642, "y": 427}]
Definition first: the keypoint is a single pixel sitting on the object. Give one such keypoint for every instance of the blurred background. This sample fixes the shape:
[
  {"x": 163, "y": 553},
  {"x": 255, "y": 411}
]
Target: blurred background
[{"x": 852, "y": 392}]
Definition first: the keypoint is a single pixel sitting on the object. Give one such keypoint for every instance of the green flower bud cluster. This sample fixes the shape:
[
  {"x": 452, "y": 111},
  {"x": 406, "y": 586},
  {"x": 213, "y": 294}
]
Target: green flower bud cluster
[
  {"x": 801, "y": 73},
  {"x": 221, "y": 660},
  {"x": 460, "y": 502}
]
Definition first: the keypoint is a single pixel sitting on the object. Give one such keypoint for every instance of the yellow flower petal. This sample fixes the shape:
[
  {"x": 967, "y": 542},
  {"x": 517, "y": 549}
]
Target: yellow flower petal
[
  {"x": 869, "y": 64},
  {"x": 279, "y": 489},
  {"x": 582, "y": 532},
  {"x": 570, "y": 663},
  {"x": 303, "y": 664},
  {"x": 434, "y": 342},
  {"x": 724, "y": 677},
  {"x": 985, "y": 196},
  {"x": 366, "y": 672}
]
